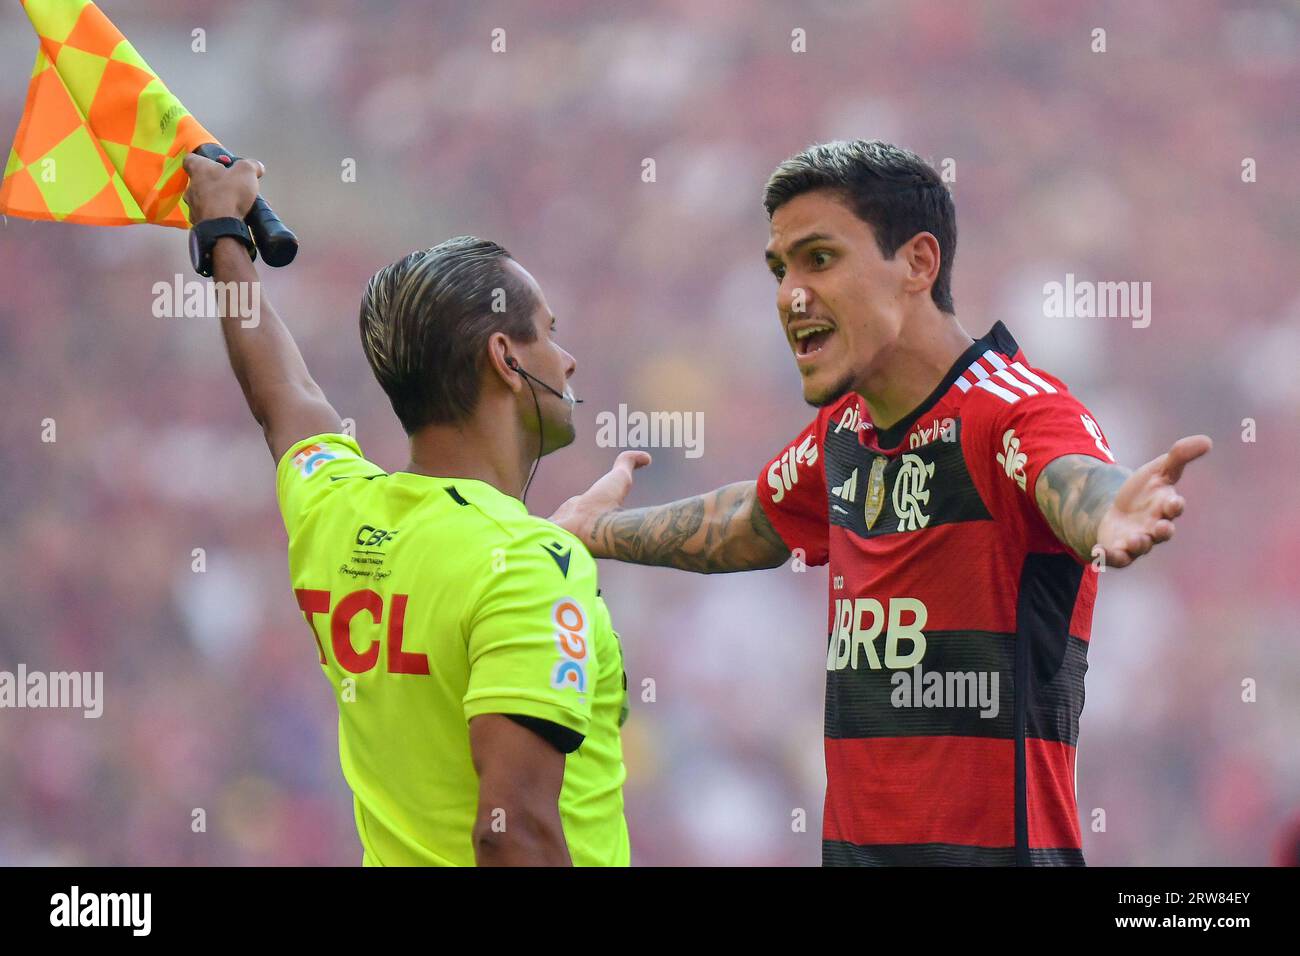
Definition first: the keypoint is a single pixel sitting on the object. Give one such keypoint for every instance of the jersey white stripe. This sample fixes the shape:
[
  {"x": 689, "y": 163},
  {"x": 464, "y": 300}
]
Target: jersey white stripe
[
  {"x": 990, "y": 386},
  {"x": 1037, "y": 379},
  {"x": 1003, "y": 371},
  {"x": 1015, "y": 382},
  {"x": 994, "y": 359}
]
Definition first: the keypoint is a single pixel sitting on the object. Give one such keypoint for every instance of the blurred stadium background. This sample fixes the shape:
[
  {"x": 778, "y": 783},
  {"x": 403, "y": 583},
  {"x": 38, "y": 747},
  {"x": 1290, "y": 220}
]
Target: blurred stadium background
[{"x": 1117, "y": 166}]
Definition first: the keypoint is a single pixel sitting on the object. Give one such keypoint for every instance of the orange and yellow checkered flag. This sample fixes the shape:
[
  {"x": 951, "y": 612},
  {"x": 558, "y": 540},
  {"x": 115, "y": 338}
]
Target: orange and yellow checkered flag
[{"x": 101, "y": 139}]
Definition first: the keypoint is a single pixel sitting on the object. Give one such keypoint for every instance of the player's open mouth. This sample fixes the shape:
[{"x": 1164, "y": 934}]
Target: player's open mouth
[{"x": 810, "y": 340}]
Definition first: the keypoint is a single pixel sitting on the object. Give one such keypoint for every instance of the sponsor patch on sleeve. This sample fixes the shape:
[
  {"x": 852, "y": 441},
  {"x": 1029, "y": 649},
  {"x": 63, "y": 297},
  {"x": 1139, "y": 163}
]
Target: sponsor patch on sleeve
[
  {"x": 309, "y": 458},
  {"x": 570, "y": 671}
]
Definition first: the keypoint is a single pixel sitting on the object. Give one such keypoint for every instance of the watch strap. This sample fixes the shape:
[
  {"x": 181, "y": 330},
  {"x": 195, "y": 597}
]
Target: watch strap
[{"x": 204, "y": 236}]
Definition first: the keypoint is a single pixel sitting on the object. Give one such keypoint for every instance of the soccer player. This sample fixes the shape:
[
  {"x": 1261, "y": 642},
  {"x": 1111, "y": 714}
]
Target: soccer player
[
  {"x": 960, "y": 496},
  {"x": 479, "y": 681}
]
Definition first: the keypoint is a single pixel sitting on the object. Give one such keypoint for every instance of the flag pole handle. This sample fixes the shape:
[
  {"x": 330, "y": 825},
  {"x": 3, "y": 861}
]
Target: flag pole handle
[{"x": 275, "y": 241}]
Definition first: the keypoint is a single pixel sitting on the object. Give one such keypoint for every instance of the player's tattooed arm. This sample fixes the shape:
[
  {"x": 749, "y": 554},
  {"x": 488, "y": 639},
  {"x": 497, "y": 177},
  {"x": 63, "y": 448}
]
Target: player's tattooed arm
[
  {"x": 724, "y": 530},
  {"x": 1091, "y": 504},
  {"x": 1073, "y": 494}
]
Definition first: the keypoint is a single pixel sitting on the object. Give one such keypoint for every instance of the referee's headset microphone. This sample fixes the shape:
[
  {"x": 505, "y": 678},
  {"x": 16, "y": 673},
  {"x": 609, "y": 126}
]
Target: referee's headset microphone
[{"x": 512, "y": 363}]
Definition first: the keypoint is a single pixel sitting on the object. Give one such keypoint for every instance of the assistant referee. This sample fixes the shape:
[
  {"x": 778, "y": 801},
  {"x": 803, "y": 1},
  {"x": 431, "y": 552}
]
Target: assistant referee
[{"x": 479, "y": 681}]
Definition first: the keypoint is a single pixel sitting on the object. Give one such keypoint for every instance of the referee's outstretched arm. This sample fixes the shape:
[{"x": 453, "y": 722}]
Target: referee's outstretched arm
[
  {"x": 280, "y": 392},
  {"x": 723, "y": 530}
]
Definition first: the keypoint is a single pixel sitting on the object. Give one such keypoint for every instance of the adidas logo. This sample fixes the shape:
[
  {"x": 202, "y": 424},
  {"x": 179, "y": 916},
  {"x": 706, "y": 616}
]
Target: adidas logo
[{"x": 849, "y": 490}]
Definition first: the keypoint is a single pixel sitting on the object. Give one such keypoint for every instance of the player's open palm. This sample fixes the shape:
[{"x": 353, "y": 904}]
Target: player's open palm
[
  {"x": 578, "y": 515},
  {"x": 1144, "y": 508}
]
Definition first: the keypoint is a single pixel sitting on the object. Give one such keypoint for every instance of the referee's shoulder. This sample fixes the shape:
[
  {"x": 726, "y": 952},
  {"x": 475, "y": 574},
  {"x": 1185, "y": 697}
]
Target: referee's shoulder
[{"x": 521, "y": 529}]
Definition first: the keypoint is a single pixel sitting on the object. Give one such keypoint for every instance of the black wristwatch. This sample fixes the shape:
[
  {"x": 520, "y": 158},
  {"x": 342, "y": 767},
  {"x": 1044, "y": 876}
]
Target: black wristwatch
[{"x": 204, "y": 235}]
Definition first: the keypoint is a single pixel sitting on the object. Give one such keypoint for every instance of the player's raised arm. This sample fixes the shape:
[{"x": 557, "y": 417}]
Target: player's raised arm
[
  {"x": 1089, "y": 503},
  {"x": 722, "y": 530},
  {"x": 280, "y": 392}
]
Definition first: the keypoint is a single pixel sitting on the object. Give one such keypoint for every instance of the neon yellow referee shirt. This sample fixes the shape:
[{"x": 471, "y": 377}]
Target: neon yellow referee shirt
[{"x": 434, "y": 600}]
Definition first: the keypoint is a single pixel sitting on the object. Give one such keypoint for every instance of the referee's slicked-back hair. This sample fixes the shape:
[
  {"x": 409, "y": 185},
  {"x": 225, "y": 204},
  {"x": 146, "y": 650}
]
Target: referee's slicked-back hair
[
  {"x": 425, "y": 322},
  {"x": 889, "y": 188}
]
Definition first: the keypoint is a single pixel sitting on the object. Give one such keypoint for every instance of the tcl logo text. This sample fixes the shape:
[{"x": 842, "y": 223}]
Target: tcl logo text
[{"x": 363, "y": 603}]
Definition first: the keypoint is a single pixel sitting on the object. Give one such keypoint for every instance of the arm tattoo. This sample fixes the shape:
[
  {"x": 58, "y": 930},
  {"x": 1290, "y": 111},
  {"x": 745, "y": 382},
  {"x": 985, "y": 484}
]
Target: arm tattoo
[
  {"x": 724, "y": 530},
  {"x": 1073, "y": 494},
  {"x": 763, "y": 528}
]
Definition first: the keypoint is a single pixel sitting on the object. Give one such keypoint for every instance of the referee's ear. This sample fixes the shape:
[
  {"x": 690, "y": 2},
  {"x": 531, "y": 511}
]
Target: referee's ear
[{"x": 502, "y": 362}]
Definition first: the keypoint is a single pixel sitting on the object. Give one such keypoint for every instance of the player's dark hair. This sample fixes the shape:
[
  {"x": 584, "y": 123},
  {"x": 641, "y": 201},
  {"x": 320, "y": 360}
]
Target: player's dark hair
[
  {"x": 425, "y": 322},
  {"x": 889, "y": 188}
]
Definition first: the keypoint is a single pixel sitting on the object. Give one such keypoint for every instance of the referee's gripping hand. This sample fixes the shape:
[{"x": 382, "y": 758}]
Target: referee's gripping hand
[{"x": 216, "y": 191}]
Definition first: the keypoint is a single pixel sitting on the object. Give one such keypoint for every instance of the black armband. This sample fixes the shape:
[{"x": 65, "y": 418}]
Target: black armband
[{"x": 563, "y": 739}]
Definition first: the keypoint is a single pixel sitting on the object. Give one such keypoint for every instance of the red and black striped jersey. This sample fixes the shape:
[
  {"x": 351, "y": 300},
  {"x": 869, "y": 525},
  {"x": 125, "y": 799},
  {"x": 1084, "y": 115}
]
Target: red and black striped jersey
[{"x": 958, "y": 623}]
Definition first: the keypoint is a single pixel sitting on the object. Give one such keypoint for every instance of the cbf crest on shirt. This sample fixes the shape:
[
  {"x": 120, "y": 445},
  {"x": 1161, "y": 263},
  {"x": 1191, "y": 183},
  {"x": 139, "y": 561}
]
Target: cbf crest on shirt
[{"x": 958, "y": 624}]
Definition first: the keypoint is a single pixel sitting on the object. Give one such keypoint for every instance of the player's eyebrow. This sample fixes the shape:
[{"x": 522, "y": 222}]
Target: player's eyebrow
[{"x": 773, "y": 256}]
